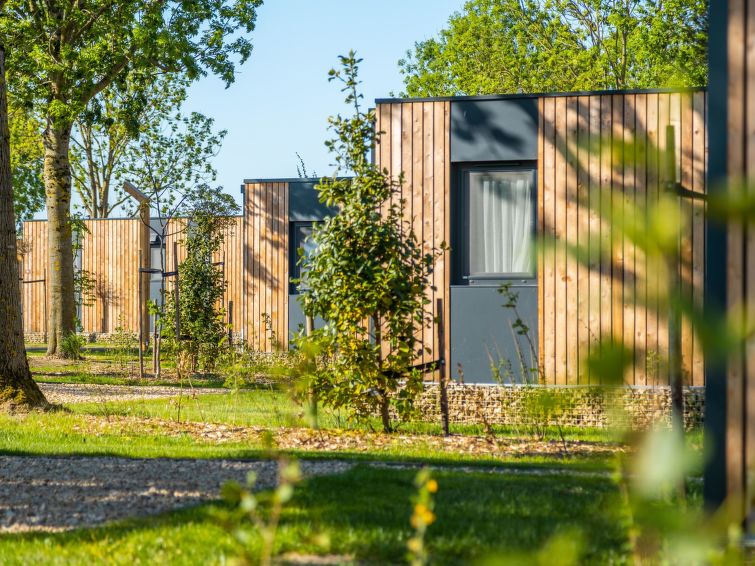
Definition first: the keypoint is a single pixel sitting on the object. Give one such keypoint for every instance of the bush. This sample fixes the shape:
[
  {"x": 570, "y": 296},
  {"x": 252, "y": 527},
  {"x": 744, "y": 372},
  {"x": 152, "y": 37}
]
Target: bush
[{"x": 72, "y": 345}]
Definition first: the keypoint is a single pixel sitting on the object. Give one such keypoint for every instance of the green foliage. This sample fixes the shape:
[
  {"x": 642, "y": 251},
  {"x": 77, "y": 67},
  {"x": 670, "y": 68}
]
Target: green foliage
[
  {"x": 512, "y": 46},
  {"x": 201, "y": 283},
  {"x": 125, "y": 343},
  {"x": 422, "y": 517},
  {"x": 367, "y": 275},
  {"x": 26, "y": 161},
  {"x": 171, "y": 161},
  {"x": 63, "y": 55},
  {"x": 109, "y": 133},
  {"x": 72, "y": 345}
]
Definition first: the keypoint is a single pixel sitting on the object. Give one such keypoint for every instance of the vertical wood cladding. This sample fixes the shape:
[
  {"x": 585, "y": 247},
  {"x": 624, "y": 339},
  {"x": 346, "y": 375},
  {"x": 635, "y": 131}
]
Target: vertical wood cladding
[
  {"x": 34, "y": 268},
  {"x": 601, "y": 153},
  {"x": 110, "y": 257},
  {"x": 265, "y": 277},
  {"x": 415, "y": 141},
  {"x": 230, "y": 253},
  {"x": 595, "y": 152},
  {"x": 732, "y": 160}
]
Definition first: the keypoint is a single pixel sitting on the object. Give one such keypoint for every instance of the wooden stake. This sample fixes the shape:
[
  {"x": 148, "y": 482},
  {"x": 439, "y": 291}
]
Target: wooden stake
[
  {"x": 178, "y": 310},
  {"x": 442, "y": 370},
  {"x": 141, "y": 312}
]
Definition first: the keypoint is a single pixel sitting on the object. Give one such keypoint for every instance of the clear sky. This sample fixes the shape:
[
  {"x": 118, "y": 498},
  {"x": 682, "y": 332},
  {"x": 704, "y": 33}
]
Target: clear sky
[{"x": 281, "y": 99}]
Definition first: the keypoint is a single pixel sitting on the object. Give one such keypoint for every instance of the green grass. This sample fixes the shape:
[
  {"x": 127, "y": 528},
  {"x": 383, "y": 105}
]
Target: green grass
[
  {"x": 365, "y": 514},
  {"x": 61, "y": 433},
  {"x": 104, "y": 365},
  {"x": 274, "y": 408},
  {"x": 154, "y": 434}
]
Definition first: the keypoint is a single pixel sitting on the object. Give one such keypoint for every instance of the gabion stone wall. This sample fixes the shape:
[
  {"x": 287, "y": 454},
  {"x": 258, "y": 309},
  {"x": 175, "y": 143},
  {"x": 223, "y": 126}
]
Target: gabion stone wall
[
  {"x": 579, "y": 406},
  {"x": 34, "y": 337}
]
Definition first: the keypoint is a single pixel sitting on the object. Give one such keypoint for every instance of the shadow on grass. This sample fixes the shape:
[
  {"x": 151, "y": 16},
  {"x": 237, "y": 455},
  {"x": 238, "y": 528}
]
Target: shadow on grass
[
  {"x": 542, "y": 465},
  {"x": 366, "y": 514}
]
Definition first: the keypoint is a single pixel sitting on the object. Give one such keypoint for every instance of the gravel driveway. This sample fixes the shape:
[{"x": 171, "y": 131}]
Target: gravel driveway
[
  {"x": 64, "y": 393},
  {"x": 52, "y": 494}
]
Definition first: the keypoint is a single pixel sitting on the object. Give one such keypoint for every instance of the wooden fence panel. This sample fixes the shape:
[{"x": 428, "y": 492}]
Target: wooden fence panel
[
  {"x": 34, "y": 268},
  {"x": 110, "y": 257}
]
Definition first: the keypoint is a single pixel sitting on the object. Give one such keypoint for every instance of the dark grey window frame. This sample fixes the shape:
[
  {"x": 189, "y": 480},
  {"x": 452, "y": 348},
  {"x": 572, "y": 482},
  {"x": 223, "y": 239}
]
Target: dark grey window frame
[
  {"x": 460, "y": 226},
  {"x": 294, "y": 269}
]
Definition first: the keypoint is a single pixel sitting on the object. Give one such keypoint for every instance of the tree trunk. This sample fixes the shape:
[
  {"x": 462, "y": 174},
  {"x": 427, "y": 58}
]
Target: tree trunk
[
  {"x": 57, "y": 173},
  {"x": 17, "y": 388}
]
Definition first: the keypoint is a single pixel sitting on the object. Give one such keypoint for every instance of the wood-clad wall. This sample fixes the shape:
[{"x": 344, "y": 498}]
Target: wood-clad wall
[
  {"x": 110, "y": 256},
  {"x": 730, "y": 387},
  {"x": 577, "y": 304},
  {"x": 230, "y": 252},
  {"x": 603, "y": 153},
  {"x": 34, "y": 268},
  {"x": 265, "y": 275},
  {"x": 415, "y": 140}
]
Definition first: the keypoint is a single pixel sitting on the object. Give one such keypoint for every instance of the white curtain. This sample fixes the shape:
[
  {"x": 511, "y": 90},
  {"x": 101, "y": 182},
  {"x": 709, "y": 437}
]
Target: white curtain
[{"x": 500, "y": 222}]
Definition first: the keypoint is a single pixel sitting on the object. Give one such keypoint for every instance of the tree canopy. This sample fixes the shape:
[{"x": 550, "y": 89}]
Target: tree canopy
[
  {"x": 26, "y": 158},
  {"x": 511, "y": 46},
  {"x": 66, "y": 53}
]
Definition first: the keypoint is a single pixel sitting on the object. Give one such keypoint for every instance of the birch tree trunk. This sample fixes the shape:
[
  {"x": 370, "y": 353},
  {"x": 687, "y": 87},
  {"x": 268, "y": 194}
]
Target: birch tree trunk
[
  {"x": 17, "y": 388},
  {"x": 57, "y": 174}
]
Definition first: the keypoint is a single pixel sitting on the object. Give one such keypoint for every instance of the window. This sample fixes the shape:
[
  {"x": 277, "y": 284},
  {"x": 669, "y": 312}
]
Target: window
[
  {"x": 498, "y": 221},
  {"x": 300, "y": 239}
]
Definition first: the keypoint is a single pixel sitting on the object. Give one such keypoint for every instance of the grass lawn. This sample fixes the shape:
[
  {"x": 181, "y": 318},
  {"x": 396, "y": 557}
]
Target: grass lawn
[
  {"x": 105, "y": 365},
  {"x": 365, "y": 514},
  {"x": 150, "y": 428}
]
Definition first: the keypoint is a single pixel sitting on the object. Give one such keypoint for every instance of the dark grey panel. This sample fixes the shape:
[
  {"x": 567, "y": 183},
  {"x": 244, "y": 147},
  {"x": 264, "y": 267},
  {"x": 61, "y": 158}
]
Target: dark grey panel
[
  {"x": 482, "y": 334},
  {"x": 303, "y": 204},
  {"x": 296, "y": 318},
  {"x": 494, "y": 130}
]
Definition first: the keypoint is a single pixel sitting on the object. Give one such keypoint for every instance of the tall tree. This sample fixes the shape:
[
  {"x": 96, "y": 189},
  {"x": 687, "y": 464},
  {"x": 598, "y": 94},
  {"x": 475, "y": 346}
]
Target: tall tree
[
  {"x": 17, "y": 388},
  {"x": 66, "y": 53},
  {"x": 511, "y": 46},
  {"x": 106, "y": 136}
]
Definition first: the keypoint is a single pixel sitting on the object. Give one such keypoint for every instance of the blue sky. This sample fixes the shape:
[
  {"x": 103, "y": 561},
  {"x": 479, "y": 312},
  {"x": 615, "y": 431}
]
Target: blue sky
[{"x": 281, "y": 99}]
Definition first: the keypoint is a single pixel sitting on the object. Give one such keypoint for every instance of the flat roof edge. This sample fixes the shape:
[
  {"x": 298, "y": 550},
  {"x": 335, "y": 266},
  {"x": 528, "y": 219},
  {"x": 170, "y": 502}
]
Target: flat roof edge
[
  {"x": 542, "y": 95},
  {"x": 290, "y": 179},
  {"x": 124, "y": 218}
]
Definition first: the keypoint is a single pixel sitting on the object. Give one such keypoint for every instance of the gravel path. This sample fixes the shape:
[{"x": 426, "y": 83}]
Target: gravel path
[
  {"x": 64, "y": 393},
  {"x": 53, "y": 494}
]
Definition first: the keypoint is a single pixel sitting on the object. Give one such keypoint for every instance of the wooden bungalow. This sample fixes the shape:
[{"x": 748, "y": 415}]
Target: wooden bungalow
[{"x": 490, "y": 176}]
